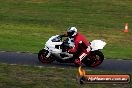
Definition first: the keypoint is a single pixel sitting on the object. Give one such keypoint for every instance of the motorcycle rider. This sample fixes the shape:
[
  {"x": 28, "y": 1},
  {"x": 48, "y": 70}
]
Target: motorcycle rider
[{"x": 79, "y": 41}]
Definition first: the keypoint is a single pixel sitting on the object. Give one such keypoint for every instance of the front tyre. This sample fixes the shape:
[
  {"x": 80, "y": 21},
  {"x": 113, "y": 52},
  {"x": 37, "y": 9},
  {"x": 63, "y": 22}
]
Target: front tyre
[
  {"x": 42, "y": 56},
  {"x": 95, "y": 59}
]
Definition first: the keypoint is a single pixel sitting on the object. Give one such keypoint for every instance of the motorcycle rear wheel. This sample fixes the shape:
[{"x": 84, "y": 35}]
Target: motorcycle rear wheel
[
  {"x": 95, "y": 59},
  {"x": 42, "y": 56}
]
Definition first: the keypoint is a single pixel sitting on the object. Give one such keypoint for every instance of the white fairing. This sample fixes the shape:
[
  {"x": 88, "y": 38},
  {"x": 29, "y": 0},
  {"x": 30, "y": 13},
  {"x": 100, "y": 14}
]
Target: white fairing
[
  {"x": 97, "y": 44},
  {"x": 51, "y": 45}
]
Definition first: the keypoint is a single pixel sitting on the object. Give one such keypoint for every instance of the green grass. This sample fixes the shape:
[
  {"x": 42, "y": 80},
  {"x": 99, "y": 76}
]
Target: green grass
[
  {"x": 17, "y": 76},
  {"x": 25, "y": 25}
]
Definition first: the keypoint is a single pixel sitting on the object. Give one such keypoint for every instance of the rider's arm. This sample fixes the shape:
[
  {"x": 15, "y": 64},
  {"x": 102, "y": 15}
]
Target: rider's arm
[
  {"x": 74, "y": 49},
  {"x": 64, "y": 35}
]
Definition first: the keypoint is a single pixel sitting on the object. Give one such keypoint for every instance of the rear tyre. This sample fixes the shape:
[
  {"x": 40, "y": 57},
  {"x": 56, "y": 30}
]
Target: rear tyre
[
  {"x": 95, "y": 59},
  {"x": 42, "y": 56}
]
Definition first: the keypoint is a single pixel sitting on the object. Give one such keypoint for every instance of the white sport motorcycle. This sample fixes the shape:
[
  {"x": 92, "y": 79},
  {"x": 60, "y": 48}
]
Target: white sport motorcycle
[{"x": 56, "y": 50}]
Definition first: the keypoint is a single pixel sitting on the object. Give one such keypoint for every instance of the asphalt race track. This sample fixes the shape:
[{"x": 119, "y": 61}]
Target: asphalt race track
[{"x": 31, "y": 59}]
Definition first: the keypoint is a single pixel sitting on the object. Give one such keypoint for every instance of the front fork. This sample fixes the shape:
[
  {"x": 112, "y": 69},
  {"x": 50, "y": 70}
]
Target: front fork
[{"x": 49, "y": 53}]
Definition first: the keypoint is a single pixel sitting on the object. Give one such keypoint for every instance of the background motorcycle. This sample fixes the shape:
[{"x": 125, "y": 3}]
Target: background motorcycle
[{"x": 56, "y": 50}]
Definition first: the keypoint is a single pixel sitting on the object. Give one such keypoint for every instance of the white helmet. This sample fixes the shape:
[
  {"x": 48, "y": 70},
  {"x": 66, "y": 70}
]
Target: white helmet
[{"x": 72, "y": 31}]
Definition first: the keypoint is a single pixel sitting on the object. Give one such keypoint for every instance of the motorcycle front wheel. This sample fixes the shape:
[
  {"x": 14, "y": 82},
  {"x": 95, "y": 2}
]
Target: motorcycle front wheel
[
  {"x": 42, "y": 56},
  {"x": 95, "y": 58}
]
